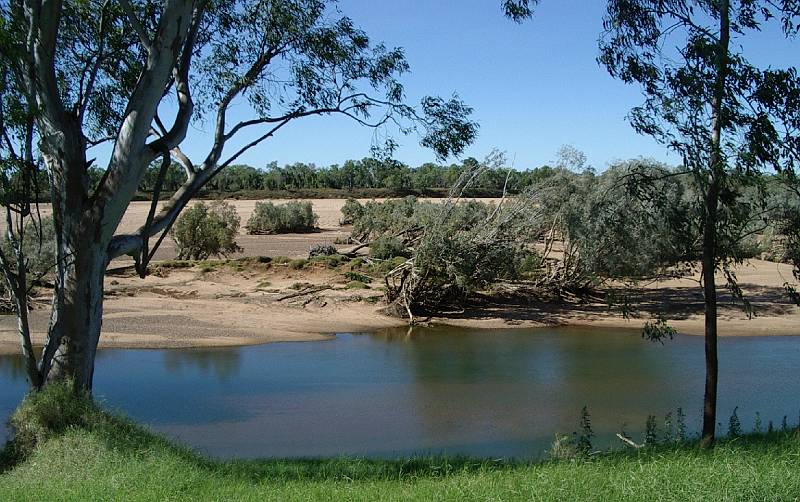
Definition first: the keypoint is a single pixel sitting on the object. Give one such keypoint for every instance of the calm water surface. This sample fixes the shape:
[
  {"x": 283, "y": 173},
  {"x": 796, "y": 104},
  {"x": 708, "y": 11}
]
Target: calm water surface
[{"x": 499, "y": 393}]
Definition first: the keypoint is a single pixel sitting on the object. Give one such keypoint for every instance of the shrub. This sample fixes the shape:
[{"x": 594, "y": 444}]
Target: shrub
[
  {"x": 650, "y": 431},
  {"x": 357, "y": 264},
  {"x": 206, "y": 230},
  {"x": 563, "y": 448},
  {"x": 294, "y": 216},
  {"x": 298, "y": 264},
  {"x": 448, "y": 266},
  {"x": 387, "y": 266},
  {"x": 680, "y": 433},
  {"x": 583, "y": 441},
  {"x": 351, "y": 211},
  {"x": 389, "y": 217},
  {"x": 734, "y": 425},
  {"x": 529, "y": 263},
  {"x": 410, "y": 216},
  {"x": 321, "y": 250},
  {"x": 384, "y": 248}
]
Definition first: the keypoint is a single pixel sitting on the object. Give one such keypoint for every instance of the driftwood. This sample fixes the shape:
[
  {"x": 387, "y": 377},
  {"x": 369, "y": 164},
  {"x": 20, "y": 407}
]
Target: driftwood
[
  {"x": 304, "y": 292},
  {"x": 629, "y": 441},
  {"x": 352, "y": 253}
]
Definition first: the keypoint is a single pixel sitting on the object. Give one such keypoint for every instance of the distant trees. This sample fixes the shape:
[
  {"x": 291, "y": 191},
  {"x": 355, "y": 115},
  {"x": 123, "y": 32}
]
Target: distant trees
[
  {"x": 727, "y": 118},
  {"x": 368, "y": 173}
]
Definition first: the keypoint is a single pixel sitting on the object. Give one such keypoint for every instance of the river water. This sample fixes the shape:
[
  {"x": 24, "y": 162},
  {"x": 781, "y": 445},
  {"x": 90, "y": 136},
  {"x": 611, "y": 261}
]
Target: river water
[{"x": 488, "y": 393}]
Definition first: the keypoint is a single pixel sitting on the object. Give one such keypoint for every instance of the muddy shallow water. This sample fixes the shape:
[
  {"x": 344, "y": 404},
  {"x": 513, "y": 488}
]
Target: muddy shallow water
[{"x": 498, "y": 393}]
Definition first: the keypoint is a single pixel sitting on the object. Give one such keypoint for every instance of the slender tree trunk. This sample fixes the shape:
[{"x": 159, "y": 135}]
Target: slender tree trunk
[
  {"x": 20, "y": 296},
  {"x": 709, "y": 262},
  {"x": 709, "y": 258}
]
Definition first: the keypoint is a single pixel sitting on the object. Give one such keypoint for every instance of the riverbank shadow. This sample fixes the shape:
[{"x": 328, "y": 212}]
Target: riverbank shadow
[{"x": 673, "y": 303}]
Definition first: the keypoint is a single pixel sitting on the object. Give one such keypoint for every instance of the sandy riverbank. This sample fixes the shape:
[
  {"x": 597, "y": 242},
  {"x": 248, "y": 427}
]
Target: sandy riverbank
[
  {"x": 231, "y": 305},
  {"x": 237, "y": 305}
]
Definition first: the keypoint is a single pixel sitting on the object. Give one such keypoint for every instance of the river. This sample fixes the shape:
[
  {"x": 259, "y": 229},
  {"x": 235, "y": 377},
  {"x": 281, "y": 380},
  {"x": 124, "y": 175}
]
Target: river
[{"x": 490, "y": 393}]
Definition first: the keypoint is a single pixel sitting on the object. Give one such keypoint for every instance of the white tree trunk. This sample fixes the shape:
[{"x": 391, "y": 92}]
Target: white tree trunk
[{"x": 79, "y": 318}]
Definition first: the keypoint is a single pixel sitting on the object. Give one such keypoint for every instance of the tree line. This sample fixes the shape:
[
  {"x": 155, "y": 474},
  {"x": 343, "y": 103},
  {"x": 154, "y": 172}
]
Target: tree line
[
  {"x": 368, "y": 173},
  {"x": 388, "y": 175}
]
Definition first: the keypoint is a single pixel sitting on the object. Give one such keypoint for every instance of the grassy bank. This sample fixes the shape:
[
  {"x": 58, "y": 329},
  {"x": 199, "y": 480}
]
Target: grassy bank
[{"x": 104, "y": 457}]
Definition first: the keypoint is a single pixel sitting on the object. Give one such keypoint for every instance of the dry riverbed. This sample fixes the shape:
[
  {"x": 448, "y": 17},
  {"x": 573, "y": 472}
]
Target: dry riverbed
[{"x": 249, "y": 301}]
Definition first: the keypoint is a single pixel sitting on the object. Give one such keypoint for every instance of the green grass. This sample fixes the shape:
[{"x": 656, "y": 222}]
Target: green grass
[{"x": 104, "y": 457}]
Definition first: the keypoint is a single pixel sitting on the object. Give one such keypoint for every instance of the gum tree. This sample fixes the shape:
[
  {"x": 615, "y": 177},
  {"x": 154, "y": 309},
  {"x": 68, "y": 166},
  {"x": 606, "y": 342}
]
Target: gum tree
[
  {"x": 134, "y": 75},
  {"x": 728, "y": 118}
]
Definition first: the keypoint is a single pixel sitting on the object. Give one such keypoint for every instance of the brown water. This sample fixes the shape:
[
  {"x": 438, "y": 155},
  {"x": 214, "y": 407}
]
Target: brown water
[{"x": 499, "y": 393}]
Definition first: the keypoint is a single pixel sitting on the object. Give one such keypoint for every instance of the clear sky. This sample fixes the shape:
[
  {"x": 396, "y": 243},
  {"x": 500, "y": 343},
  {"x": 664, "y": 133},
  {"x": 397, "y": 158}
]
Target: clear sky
[{"x": 534, "y": 86}]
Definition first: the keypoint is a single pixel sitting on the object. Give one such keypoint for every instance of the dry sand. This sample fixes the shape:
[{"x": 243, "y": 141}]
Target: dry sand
[{"x": 190, "y": 307}]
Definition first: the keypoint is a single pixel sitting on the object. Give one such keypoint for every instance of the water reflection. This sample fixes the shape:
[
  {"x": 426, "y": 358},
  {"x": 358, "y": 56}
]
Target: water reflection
[
  {"x": 223, "y": 363},
  {"x": 505, "y": 384},
  {"x": 12, "y": 367}
]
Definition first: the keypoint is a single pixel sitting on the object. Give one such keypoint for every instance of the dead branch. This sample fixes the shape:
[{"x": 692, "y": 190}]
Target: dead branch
[{"x": 304, "y": 292}]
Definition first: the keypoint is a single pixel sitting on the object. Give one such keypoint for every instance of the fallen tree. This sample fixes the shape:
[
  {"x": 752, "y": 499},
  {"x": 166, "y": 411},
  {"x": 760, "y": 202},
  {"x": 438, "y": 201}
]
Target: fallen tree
[{"x": 570, "y": 235}]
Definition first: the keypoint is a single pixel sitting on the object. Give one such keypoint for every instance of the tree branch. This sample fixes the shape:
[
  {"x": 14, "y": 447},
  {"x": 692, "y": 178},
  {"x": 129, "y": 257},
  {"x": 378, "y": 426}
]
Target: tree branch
[
  {"x": 180, "y": 76},
  {"x": 87, "y": 92},
  {"x": 136, "y": 25},
  {"x": 131, "y": 154}
]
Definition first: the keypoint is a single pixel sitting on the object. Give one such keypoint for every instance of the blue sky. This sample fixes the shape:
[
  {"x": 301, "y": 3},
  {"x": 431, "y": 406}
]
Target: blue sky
[{"x": 534, "y": 86}]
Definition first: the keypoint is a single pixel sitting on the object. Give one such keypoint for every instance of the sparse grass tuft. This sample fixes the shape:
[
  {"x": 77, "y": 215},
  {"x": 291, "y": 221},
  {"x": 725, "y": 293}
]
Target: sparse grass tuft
[
  {"x": 331, "y": 261},
  {"x": 355, "y": 276},
  {"x": 298, "y": 264},
  {"x": 175, "y": 263},
  {"x": 356, "y": 285}
]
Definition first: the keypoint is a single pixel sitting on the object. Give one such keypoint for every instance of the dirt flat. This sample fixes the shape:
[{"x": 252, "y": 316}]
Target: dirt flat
[
  {"x": 291, "y": 245},
  {"x": 224, "y": 307}
]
